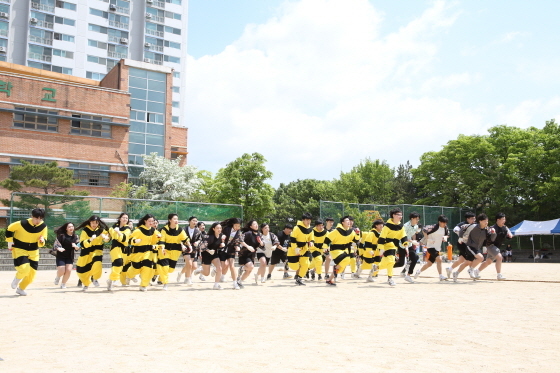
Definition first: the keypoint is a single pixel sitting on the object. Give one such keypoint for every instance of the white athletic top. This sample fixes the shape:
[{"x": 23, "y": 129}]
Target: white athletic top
[
  {"x": 435, "y": 239},
  {"x": 267, "y": 240}
]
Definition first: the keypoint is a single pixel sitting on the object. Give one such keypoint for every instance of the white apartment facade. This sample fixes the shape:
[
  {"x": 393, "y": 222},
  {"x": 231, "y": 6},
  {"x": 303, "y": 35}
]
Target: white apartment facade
[{"x": 87, "y": 38}]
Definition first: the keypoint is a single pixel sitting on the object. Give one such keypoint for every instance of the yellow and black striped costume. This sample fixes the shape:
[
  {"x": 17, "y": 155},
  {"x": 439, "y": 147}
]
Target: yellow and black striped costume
[
  {"x": 119, "y": 252},
  {"x": 171, "y": 241},
  {"x": 339, "y": 240},
  {"x": 89, "y": 263},
  {"x": 392, "y": 237},
  {"x": 142, "y": 254},
  {"x": 370, "y": 252},
  {"x": 25, "y": 250},
  {"x": 300, "y": 238},
  {"x": 317, "y": 250}
]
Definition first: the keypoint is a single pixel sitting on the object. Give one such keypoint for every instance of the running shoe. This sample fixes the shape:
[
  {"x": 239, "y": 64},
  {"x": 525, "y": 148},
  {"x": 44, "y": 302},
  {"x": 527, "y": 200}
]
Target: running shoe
[
  {"x": 299, "y": 282},
  {"x": 197, "y": 271},
  {"x": 319, "y": 277},
  {"x": 342, "y": 276},
  {"x": 455, "y": 276},
  {"x": 442, "y": 278},
  {"x": 375, "y": 268},
  {"x": 222, "y": 278},
  {"x": 269, "y": 276},
  {"x": 213, "y": 272},
  {"x": 20, "y": 292},
  {"x": 95, "y": 283},
  {"x": 256, "y": 278},
  {"x": 56, "y": 280},
  {"x": 331, "y": 283},
  {"x": 15, "y": 283},
  {"x": 403, "y": 272},
  {"x": 449, "y": 271},
  {"x": 63, "y": 286},
  {"x": 476, "y": 274},
  {"x": 134, "y": 279},
  {"x": 471, "y": 273},
  {"x": 165, "y": 287},
  {"x": 407, "y": 278},
  {"x": 500, "y": 277},
  {"x": 370, "y": 279},
  {"x": 355, "y": 275},
  {"x": 188, "y": 281},
  {"x": 202, "y": 278},
  {"x": 417, "y": 273},
  {"x": 391, "y": 282},
  {"x": 217, "y": 286},
  {"x": 179, "y": 276},
  {"x": 127, "y": 281},
  {"x": 263, "y": 280},
  {"x": 109, "y": 285},
  {"x": 240, "y": 284},
  {"x": 84, "y": 288},
  {"x": 236, "y": 286},
  {"x": 143, "y": 288}
]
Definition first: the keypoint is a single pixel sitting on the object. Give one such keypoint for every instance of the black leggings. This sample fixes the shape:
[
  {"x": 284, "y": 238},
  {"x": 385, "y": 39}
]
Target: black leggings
[{"x": 412, "y": 259}]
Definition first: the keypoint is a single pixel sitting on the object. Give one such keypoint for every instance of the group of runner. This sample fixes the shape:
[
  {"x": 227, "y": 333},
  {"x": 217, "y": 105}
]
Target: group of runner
[{"x": 314, "y": 251}]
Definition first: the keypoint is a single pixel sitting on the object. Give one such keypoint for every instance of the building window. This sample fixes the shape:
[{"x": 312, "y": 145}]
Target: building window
[
  {"x": 65, "y": 5},
  {"x": 115, "y": 20},
  {"x": 175, "y": 119},
  {"x": 176, "y": 89},
  {"x": 44, "y": 66},
  {"x": 94, "y": 76},
  {"x": 64, "y": 21},
  {"x": 90, "y": 128},
  {"x": 178, "y": 2},
  {"x": 175, "y": 103},
  {"x": 44, "y": 5},
  {"x": 91, "y": 174},
  {"x": 63, "y": 37},
  {"x": 167, "y": 58},
  {"x": 32, "y": 161},
  {"x": 176, "y": 74},
  {"x": 33, "y": 120}
]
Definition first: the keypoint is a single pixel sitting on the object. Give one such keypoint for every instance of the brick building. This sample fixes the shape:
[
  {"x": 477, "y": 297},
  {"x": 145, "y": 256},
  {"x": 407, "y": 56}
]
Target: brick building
[{"x": 99, "y": 129}]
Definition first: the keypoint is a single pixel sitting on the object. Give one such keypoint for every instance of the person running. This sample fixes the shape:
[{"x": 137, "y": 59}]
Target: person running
[
  {"x": 269, "y": 243},
  {"x": 327, "y": 256},
  {"x": 89, "y": 266},
  {"x": 143, "y": 239},
  {"x": 411, "y": 228},
  {"x": 279, "y": 253},
  {"x": 338, "y": 241},
  {"x": 191, "y": 253},
  {"x": 459, "y": 230},
  {"x": 436, "y": 234},
  {"x": 300, "y": 243},
  {"x": 352, "y": 249},
  {"x": 371, "y": 254},
  {"x": 509, "y": 253},
  {"x": 120, "y": 233},
  {"x": 319, "y": 235},
  {"x": 392, "y": 237},
  {"x": 213, "y": 242},
  {"x": 231, "y": 228},
  {"x": 24, "y": 239},
  {"x": 198, "y": 269},
  {"x": 251, "y": 240},
  {"x": 475, "y": 237},
  {"x": 68, "y": 240},
  {"x": 493, "y": 249},
  {"x": 173, "y": 241}
]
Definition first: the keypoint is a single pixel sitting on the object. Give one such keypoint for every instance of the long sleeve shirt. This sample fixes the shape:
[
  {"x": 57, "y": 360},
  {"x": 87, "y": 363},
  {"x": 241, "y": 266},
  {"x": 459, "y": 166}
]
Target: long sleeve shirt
[{"x": 25, "y": 235}]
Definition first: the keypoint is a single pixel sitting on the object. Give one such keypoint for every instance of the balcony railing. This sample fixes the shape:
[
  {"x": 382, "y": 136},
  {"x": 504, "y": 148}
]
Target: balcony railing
[
  {"x": 159, "y": 4},
  {"x": 41, "y": 57},
  {"x": 44, "y": 24},
  {"x": 39, "y": 40},
  {"x": 158, "y": 19},
  {"x": 3, "y": 32},
  {"x": 154, "y": 32},
  {"x": 116, "y": 55},
  {"x": 118, "y": 24},
  {"x": 157, "y": 48},
  {"x": 44, "y": 7},
  {"x": 156, "y": 62}
]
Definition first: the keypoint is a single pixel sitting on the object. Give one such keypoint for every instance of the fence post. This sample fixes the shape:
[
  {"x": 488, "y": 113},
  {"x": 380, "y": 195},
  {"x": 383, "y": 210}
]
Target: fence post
[{"x": 11, "y": 209}]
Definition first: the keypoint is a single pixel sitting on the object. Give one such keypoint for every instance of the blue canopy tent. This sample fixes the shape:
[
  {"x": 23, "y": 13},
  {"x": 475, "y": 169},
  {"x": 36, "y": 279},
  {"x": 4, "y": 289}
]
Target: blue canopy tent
[{"x": 531, "y": 228}]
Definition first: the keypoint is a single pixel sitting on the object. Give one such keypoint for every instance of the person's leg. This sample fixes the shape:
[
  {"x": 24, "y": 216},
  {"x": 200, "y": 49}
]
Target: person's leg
[
  {"x": 327, "y": 265},
  {"x": 262, "y": 267},
  {"x": 438, "y": 264},
  {"x": 413, "y": 260},
  {"x": 485, "y": 264},
  {"x": 67, "y": 273},
  {"x": 83, "y": 268},
  {"x": 116, "y": 264},
  {"x": 218, "y": 266},
  {"x": 59, "y": 273},
  {"x": 231, "y": 264},
  {"x": 33, "y": 257},
  {"x": 97, "y": 264},
  {"x": 499, "y": 261},
  {"x": 247, "y": 269}
]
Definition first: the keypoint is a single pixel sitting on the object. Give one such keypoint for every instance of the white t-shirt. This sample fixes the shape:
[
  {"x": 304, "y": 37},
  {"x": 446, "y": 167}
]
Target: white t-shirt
[
  {"x": 435, "y": 239},
  {"x": 267, "y": 241}
]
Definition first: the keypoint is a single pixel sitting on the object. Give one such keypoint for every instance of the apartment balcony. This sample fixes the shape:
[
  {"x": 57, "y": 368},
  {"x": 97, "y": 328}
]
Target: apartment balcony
[
  {"x": 43, "y": 7},
  {"x": 155, "y": 62},
  {"x": 117, "y": 55},
  {"x": 118, "y": 24},
  {"x": 44, "y": 24},
  {"x": 155, "y": 33},
  {"x": 39, "y": 40},
  {"x": 157, "y": 48},
  {"x": 123, "y": 10},
  {"x": 41, "y": 57},
  {"x": 159, "y": 4},
  {"x": 3, "y": 32}
]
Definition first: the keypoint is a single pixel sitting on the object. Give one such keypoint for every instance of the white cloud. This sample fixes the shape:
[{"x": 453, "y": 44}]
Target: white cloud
[
  {"x": 523, "y": 115},
  {"x": 317, "y": 88}
]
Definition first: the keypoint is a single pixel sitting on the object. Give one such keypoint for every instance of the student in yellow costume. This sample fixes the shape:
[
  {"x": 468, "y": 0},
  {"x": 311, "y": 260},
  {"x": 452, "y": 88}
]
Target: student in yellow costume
[
  {"x": 391, "y": 238},
  {"x": 301, "y": 240},
  {"x": 143, "y": 239},
  {"x": 94, "y": 235},
  {"x": 338, "y": 241},
  {"x": 319, "y": 235},
  {"x": 120, "y": 233},
  {"x": 174, "y": 239},
  {"x": 24, "y": 239},
  {"x": 371, "y": 251}
]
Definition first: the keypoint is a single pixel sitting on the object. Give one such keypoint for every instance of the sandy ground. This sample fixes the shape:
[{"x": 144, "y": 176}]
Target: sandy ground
[{"x": 484, "y": 326}]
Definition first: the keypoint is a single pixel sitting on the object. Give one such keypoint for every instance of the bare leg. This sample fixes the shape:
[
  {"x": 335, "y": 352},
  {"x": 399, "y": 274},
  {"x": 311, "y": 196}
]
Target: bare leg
[
  {"x": 233, "y": 271},
  {"x": 60, "y": 271},
  {"x": 438, "y": 264},
  {"x": 247, "y": 268},
  {"x": 67, "y": 273},
  {"x": 499, "y": 260},
  {"x": 486, "y": 263},
  {"x": 262, "y": 267}
]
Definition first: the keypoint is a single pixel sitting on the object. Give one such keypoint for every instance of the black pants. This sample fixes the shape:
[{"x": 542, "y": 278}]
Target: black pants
[{"x": 412, "y": 259}]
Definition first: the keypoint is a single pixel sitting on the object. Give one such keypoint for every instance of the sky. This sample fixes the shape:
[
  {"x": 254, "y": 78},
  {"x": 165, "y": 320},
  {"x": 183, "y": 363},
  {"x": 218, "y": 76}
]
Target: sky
[{"x": 316, "y": 86}]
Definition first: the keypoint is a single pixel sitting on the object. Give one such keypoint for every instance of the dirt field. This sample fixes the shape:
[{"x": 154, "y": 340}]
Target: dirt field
[{"x": 484, "y": 326}]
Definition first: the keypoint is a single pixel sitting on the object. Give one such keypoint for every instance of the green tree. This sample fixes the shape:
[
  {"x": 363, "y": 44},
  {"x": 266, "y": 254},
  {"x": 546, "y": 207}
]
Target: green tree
[
  {"x": 243, "y": 182},
  {"x": 368, "y": 182},
  {"x": 404, "y": 190}
]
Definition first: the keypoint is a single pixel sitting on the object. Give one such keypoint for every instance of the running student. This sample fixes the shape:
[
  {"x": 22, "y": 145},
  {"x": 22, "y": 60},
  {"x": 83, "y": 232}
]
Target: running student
[
  {"x": 326, "y": 256},
  {"x": 475, "y": 237},
  {"x": 120, "y": 232},
  {"x": 231, "y": 228},
  {"x": 213, "y": 242},
  {"x": 269, "y": 243},
  {"x": 436, "y": 235},
  {"x": 338, "y": 241},
  {"x": 24, "y": 239},
  {"x": 251, "y": 240},
  {"x": 300, "y": 243},
  {"x": 319, "y": 235},
  {"x": 494, "y": 254},
  {"x": 459, "y": 230},
  {"x": 94, "y": 235},
  {"x": 191, "y": 253},
  {"x": 143, "y": 239},
  {"x": 371, "y": 254},
  {"x": 68, "y": 240},
  {"x": 174, "y": 240},
  {"x": 411, "y": 228},
  {"x": 279, "y": 254}
]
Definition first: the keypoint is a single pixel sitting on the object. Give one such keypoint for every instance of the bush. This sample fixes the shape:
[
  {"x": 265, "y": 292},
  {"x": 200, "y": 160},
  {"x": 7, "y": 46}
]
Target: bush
[{"x": 3, "y": 243}]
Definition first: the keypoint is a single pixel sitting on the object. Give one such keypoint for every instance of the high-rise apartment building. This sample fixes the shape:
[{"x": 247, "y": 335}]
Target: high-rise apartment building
[{"x": 87, "y": 38}]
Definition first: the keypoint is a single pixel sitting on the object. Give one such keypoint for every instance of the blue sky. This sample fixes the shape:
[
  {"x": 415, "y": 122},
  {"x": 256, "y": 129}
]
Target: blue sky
[{"x": 318, "y": 85}]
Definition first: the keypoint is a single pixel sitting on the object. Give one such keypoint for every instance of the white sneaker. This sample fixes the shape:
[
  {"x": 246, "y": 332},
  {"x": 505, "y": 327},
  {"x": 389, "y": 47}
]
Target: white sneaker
[
  {"x": 202, "y": 278},
  {"x": 95, "y": 283},
  {"x": 476, "y": 274},
  {"x": 442, "y": 278},
  {"x": 84, "y": 288},
  {"x": 21, "y": 292},
  {"x": 455, "y": 276},
  {"x": 449, "y": 271},
  {"x": 134, "y": 279},
  {"x": 143, "y": 288},
  {"x": 370, "y": 279},
  {"x": 355, "y": 275},
  {"x": 500, "y": 277},
  {"x": 403, "y": 273},
  {"x": 217, "y": 286},
  {"x": 188, "y": 281},
  {"x": 15, "y": 283},
  {"x": 391, "y": 282},
  {"x": 179, "y": 276},
  {"x": 109, "y": 285},
  {"x": 222, "y": 278},
  {"x": 342, "y": 276},
  {"x": 165, "y": 287},
  {"x": 471, "y": 273},
  {"x": 417, "y": 273},
  {"x": 127, "y": 281},
  {"x": 407, "y": 278},
  {"x": 56, "y": 280},
  {"x": 263, "y": 280},
  {"x": 256, "y": 278},
  {"x": 197, "y": 271},
  {"x": 63, "y": 286},
  {"x": 236, "y": 286},
  {"x": 375, "y": 268}
]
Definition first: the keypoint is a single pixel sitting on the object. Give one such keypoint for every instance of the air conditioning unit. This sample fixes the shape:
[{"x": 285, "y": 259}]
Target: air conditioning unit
[
  {"x": 112, "y": 7},
  {"x": 146, "y": 60},
  {"x": 4, "y": 15},
  {"x": 149, "y": 1},
  {"x": 33, "y": 20},
  {"x": 124, "y": 41},
  {"x": 147, "y": 45},
  {"x": 149, "y": 15},
  {"x": 3, "y": 49}
]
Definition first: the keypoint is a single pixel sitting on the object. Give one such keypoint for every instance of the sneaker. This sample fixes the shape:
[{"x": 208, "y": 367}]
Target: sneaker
[
  {"x": 84, "y": 288},
  {"x": 20, "y": 292},
  {"x": 256, "y": 278},
  {"x": 15, "y": 283},
  {"x": 500, "y": 277},
  {"x": 370, "y": 279},
  {"x": 403, "y": 272},
  {"x": 95, "y": 283},
  {"x": 307, "y": 275},
  {"x": 391, "y": 282},
  {"x": 109, "y": 285},
  {"x": 455, "y": 276},
  {"x": 299, "y": 282},
  {"x": 236, "y": 286},
  {"x": 355, "y": 275},
  {"x": 197, "y": 271},
  {"x": 471, "y": 273},
  {"x": 217, "y": 286},
  {"x": 56, "y": 280},
  {"x": 269, "y": 276},
  {"x": 331, "y": 283},
  {"x": 263, "y": 280},
  {"x": 312, "y": 276},
  {"x": 222, "y": 278},
  {"x": 287, "y": 275},
  {"x": 143, "y": 288},
  {"x": 442, "y": 278},
  {"x": 165, "y": 287},
  {"x": 240, "y": 284},
  {"x": 417, "y": 273},
  {"x": 476, "y": 274},
  {"x": 407, "y": 278},
  {"x": 79, "y": 283},
  {"x": 449, "y": 271},
  {"x": 134, "y": 279},
  {"x": 213, "y": 272},
  {"x": 154, "y": 280},
  {"x": 63, "y": 286},
  {"x": 159, "y": 282},
  {"x": 127, "y": 281},
  {"x": 319, "y": 277},
  {"x": 202, "y": 278},
  {"x": 240, "y": 273},
  {"x": 188, "y": 281},
  {"x": 375, "y": 268},
  {"x": 179, "y": 276}
]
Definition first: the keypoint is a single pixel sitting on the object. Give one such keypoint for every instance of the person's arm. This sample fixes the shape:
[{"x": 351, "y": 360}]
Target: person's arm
[
  {"x": 12, "y": 228},
  {"x": 43, "y": 237}
]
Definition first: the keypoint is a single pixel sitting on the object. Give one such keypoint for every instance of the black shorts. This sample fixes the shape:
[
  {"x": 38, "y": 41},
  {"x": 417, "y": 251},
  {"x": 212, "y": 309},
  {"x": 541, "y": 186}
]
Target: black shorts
[
  {"x": 433, "y": 254},
  {"x": 244, "y": 259},
  {"x": 207, "y": 257},
  {"x": 278, "y": 256},
  {"x": 193, "y": 254},
  {"x": 462, "y": 250},
  {"x": 61, "y": 262},
  {"x": 224, "y": 255},
  {"x": 471, "y": 253},
  {"x": 262, "y": 255}
]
